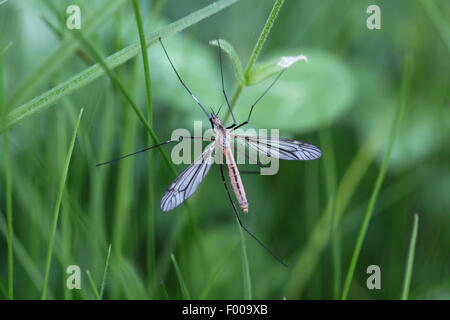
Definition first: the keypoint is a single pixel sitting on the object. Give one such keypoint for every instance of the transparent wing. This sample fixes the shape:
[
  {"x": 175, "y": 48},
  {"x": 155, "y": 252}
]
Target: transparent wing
[
  {"x": 282, "y": 148},
  {"x": 188, "y": 181}
]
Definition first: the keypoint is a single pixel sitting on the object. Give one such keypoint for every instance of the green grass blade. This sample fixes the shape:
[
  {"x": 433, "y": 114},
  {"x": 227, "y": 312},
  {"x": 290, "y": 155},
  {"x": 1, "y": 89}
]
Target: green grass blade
[
  {"x": 164, "y": 290},
  {"x": 97, "y": 56},
  {"x": 151, "y": 264},
  {"x": 68, "y": 46},
  {"x": 410, "y": 261},
  {"x": 439, "y": 22},
  {"x": 5, "y": 48},
  {"x": 310, "y": 254},
  {"x": 330, "y": 177},
  {"x": 184, "y": 290},
  {"x": 9, "y": 214},
  {"x": 57, "y": 206},
  {"x": 245, "y": 265},
  {"x": 3, "y": 289},
  {"x": 27, "y": 263},
  {"x": 209, "y": 283},
  {"x": 102, "y": 287},
  {"x": 80, "y": 53},
  {"x": 85, "y": 77},
  {"x": 92, "y": 283},
  {"x": 395, "y": 128},
  {"x": 8, "y": 183}
]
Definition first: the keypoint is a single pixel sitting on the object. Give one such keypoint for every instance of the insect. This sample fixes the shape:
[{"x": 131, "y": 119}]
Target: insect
[{"x": 189, "y": 180}]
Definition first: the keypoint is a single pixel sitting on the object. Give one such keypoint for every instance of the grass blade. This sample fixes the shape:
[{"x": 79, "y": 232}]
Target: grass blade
[
  {"x": 410, "y": 261},
  {"x": 8, "y": 183},
  {"x": 9, "y": 214},
  {"x": 245, "y": 266},
  {"x": 309, "y": 257},
  {"x": 151, "y": 264},
  {"x": 24, "y": 259},
  {"x": 204, "y": 293},
  {"x": 3, "y": 289},
  {"x": 96, "y": 55},
  {"x": 164, "y": 290},
  {"x": 439, "y": 22},
  {"x": 85, "y": 77},
  {"x": 330, "y": 177},
  {"x": 395, "y": 128},
  {"x": 92, "y": 283},
  {"x": 57, "y": 206},
  {"x": 183, "y": 287},
  {"x": 102, "y": 287},
  {"x": 68, "y": 46},
  {"x": 5, "y": 48}
]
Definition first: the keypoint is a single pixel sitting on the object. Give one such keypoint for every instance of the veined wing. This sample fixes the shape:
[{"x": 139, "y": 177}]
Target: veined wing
[
  {"x": 188, "y": 181},
  {"x": 282, "y": 148}
]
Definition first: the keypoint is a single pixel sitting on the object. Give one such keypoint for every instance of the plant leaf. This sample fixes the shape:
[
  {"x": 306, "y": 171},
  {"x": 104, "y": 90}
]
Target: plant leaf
[
  {"x": 237, "y": 65},
  {"x": 307, "y": 96},
  {"x": 85, "y": 77},
  {"x": 263, "y": 70}
]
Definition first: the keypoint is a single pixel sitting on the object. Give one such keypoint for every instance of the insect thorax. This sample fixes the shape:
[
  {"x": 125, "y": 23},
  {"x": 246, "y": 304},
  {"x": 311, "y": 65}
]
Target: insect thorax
[{"x": 223, "y": 136}]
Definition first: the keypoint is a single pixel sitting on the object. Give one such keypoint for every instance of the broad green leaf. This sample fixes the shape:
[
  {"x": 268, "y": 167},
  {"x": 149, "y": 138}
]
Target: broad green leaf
[{"x": 307, "y": 96}]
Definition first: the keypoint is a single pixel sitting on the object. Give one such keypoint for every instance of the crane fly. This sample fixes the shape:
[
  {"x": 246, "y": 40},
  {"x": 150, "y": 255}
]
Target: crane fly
[{"x": 189, "y": 180}]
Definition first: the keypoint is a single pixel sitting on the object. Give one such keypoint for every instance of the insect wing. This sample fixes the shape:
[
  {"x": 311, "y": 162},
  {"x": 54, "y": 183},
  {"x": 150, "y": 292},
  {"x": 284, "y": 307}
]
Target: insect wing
[
  {"x": 282, "y": 148},
  {"x": 188, "y": 181}
]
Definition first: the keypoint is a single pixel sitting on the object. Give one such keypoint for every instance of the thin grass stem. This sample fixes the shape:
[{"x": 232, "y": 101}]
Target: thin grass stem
[
  {"x": 410, "y": 261},
  {"x": 105, "y": 271},
  {"x": 184, "y": 290},
  {"x": 92, "y": 283},
  {"x": 8, "y": 184},
  {"x": 151, "y": 264},
  {"x": 330, "y": 177},
  {"x": 57, "y": 207},
  {"x": 245, "y": 266},
  {"x": 394, "y": 130}
]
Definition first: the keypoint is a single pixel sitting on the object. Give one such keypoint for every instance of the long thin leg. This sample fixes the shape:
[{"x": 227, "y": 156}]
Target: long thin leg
[
  {"x": 257, "y": 100},
  {"x": 149, "y": 148},
  {"x": 240, "y": 222},
  {"x": 184, "y": 85},
  {"x": 223, "y": 87}
]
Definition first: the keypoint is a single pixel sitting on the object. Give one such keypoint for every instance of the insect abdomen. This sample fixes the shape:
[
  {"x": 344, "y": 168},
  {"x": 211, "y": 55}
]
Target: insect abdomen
[{"x": 236, "y": 182}]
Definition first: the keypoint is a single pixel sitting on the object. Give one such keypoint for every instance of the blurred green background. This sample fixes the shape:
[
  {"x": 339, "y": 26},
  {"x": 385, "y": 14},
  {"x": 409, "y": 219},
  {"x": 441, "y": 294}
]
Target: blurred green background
[{"x": 343, "y": 101}]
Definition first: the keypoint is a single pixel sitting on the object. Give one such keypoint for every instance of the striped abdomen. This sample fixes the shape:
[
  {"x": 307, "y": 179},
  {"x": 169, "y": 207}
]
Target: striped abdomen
[{"x": 235, "y": 179}]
